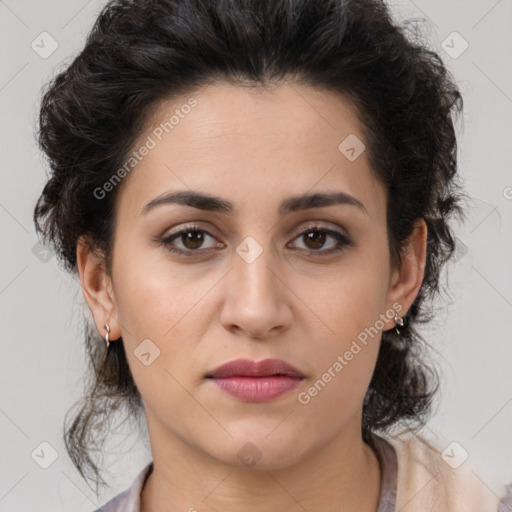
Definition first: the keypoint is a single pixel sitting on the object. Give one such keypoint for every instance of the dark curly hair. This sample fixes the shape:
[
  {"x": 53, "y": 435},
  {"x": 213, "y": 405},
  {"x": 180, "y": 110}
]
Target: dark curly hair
[{"x": 140, "y": 52}]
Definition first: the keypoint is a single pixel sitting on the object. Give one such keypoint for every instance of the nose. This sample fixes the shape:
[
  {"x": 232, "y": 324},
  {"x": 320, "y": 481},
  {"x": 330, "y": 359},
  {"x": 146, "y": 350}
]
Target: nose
[{"x": 256, "y": 297}]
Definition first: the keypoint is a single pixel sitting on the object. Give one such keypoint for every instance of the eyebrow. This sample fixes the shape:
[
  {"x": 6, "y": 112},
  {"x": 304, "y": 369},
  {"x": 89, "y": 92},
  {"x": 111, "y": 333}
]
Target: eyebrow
[{"x": 217, "y": 204}]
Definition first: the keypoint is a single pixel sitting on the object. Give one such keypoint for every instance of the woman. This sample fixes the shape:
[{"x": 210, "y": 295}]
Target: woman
[{"x": 255, "y": 196}]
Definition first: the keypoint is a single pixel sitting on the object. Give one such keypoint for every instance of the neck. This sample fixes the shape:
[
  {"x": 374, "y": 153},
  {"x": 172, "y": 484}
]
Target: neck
[{"x": 343, "y": 471}]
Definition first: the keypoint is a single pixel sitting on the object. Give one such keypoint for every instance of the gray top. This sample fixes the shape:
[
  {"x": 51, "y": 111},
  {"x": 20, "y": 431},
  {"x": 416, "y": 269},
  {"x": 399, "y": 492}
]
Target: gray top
[{"x": 129, "y": 500}]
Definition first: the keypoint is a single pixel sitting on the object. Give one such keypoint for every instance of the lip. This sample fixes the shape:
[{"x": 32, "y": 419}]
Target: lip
[
  {"x": 249, "y": 368},
  {"x": 256, "y": 381}
]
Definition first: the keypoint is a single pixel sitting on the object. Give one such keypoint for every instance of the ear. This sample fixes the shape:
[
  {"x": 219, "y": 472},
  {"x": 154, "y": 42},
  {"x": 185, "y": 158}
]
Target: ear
[
  {"x": 97, "y": 288},
  {"x": 406, "y": 281}
]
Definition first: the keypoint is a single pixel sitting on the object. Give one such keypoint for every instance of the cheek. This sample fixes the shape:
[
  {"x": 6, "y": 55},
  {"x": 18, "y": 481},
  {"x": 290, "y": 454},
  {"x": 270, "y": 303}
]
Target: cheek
[
  {"x": 346, "y": 312},
  {"x": 160, "y": 325},
  {"x": 347, "y": 300},
  {"x": 151, "y": 295},
  {"x": 166, "y": 307},
  {"x": 344, "y": 364}
]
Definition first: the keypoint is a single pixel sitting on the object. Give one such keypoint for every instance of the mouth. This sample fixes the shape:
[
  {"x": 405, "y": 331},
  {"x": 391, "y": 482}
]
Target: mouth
[{"x": 252, "y": 381}]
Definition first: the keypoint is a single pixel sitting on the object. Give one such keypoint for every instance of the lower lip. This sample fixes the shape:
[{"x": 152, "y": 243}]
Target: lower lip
[{"x": 257, "y": 389}]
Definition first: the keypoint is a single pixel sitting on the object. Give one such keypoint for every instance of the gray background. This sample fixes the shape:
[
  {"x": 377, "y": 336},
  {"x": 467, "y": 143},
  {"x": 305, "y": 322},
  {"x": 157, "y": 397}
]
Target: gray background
[{"x": 41, "y": 363}]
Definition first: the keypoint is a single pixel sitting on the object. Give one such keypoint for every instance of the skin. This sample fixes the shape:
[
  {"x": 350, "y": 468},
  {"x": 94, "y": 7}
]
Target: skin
[{"x": 254, "y": 148}]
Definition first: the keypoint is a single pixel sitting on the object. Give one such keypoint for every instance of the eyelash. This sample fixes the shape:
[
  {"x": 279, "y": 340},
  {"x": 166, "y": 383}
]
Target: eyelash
[{"x": 343, "y": 241}]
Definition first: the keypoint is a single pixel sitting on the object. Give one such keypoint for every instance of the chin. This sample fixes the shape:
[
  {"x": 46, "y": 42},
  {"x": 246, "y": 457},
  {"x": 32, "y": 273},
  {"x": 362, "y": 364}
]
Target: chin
[{"x": 259, "y": 452}]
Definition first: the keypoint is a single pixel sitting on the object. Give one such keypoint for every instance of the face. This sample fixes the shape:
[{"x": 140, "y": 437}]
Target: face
[{"x": 260, "y": 274}]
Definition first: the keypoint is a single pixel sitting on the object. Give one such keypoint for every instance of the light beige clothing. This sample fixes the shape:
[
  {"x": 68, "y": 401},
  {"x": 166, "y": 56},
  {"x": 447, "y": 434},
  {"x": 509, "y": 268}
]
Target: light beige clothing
[{"x": 429, "y": 479}]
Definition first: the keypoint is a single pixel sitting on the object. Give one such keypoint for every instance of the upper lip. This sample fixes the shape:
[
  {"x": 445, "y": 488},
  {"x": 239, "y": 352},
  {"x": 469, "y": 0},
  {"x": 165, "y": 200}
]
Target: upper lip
[{"x": 249, "y": 368}]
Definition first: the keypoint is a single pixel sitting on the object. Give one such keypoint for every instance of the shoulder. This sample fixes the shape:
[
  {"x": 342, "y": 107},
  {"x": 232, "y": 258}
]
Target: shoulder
[
  {"x": 506, "y": 499},
  {"x": 438, "y": 477},
  {"x": 129, "y": 499}
]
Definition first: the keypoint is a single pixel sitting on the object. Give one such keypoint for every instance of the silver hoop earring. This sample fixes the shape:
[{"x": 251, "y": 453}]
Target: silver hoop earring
[
  {"x": 398, "y": 321},
  {"x": 107, "y": 339}
]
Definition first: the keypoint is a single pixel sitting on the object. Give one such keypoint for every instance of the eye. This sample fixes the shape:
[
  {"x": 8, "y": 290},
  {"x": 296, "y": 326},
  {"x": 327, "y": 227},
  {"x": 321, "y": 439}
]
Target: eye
[
  {"x": 191, "y": 237},
  {"x": 314, "y": 238}
]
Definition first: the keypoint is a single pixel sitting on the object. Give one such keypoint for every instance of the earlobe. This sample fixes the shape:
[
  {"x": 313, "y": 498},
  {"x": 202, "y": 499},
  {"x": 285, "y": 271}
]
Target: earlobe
[
  {"x": 408, "y": 278},
  {"x": 97, "y": 288}
]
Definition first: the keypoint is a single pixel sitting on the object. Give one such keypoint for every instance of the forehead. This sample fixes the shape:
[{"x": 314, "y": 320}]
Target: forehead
[{"x": 251, "y": 142}]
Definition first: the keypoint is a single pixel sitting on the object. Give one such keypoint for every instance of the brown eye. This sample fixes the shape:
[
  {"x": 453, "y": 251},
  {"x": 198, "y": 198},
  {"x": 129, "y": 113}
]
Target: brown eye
[
  {"x": 191, "y": 239},
  {"x": 315, "y": 238}
]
